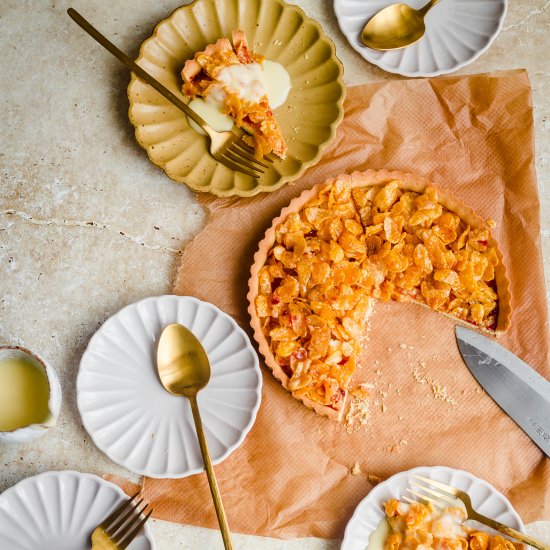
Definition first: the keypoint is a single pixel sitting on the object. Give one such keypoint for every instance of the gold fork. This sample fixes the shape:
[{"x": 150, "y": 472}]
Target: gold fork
[
  {"x": 121, "y": 527},
  {"x": 442, "y": 495},
  {"x": 226, "y": 147}
]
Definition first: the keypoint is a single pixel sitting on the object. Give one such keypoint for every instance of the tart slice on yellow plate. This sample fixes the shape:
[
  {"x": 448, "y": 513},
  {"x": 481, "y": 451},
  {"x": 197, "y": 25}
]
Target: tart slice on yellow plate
[
  {"x": 348, "y": 242},
  {"x": 230, "y": 75}
]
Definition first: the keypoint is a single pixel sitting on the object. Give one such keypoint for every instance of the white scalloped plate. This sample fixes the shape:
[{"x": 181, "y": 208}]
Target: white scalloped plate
[
  {"x": 457, "y": 33},
  {"x": 369, "y": 512},
  {"x": 134, "y": 420},
  {"x": 59, "y": 510}
]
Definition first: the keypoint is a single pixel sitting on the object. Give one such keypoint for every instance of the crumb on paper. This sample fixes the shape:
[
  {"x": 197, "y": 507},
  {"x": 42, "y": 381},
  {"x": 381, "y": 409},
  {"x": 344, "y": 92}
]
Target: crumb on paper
[
  {"x": 491, "y": 223},
  {"x": 374, "y": 480},
  {"x": 439, "y": 391},
  {"x": 358, "y": 414},
  {"x": 355, "y": 470},
  {"x": 396, "y": 447},
  {"x": 277, "y": 43}
]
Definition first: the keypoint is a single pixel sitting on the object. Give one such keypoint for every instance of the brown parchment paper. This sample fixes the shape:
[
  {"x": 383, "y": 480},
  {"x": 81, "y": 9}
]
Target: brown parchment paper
[{"x": 292, "y": 476}]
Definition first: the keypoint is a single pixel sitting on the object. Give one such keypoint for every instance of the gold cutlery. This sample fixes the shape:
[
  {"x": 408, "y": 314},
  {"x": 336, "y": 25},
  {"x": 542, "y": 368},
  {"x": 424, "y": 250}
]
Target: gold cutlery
[
  {"x": 121, "y": 527},
  {"x": 184, "y": 369},
  {"x": 227, "y": 148},
  {"x": 443, "y": 495},
  {"x": 396, "y": 26}
]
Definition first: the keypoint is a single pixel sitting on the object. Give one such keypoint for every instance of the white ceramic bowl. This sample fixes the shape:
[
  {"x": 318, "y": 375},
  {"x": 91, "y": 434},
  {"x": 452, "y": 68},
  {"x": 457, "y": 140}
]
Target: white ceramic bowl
[
  {"x": 32, "y": 431},
  {"x": 369, "y": 513},
  {"x": 457, "y": 33}
]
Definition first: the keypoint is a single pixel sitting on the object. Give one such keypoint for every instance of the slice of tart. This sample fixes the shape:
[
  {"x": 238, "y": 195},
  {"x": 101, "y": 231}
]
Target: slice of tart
[
  {"x": 230, "y": 76},
  {"x": 424, "y": 246},
  {"x": 340, "y": 246},
  {"x": 418, "y": 526},
  {"x": 309, "y": 303}
]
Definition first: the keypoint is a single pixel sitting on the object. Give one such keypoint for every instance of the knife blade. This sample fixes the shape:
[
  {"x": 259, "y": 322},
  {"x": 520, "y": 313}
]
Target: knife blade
[{"x": 516, "y": 387}]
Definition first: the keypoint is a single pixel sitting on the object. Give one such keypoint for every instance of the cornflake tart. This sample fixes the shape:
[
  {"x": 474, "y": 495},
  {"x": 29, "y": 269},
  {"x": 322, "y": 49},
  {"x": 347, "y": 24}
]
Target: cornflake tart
[
  {"x": 342, "y": 245},
  {"x": 230, "y": 76}
]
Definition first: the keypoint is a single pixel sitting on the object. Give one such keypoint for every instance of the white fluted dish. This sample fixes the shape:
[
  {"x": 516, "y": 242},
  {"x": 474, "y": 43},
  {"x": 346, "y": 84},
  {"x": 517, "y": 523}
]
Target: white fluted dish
[
  {"x": 60, "y": 510},
  {"x": 134, "y": 420},
  {"x": 370, "y": 512},
  {"x": 457, "y": 33}
]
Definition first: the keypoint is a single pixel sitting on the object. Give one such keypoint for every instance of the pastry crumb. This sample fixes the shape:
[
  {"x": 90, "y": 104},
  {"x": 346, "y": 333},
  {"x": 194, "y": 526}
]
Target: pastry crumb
[
  {"x": 439, "y": 391},
  {"x": 374, "y": 480},
  {"x": 396, "y": 447},
  {"x": 358, "y": 414},
  {"x": 355, "y": 470}
]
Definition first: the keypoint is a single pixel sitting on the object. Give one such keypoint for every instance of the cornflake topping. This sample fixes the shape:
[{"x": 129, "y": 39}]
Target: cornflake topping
[
  {"x": 314, "y": 296},
  {"x": 347, "y": 246}
]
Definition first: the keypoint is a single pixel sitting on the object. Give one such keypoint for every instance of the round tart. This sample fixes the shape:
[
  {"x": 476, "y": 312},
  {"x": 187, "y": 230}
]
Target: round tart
[{"x": 355, "y": 239}]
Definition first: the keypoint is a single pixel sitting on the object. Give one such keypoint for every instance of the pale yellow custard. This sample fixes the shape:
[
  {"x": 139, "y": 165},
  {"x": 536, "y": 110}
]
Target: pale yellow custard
[{"x": 24, "y": 394}]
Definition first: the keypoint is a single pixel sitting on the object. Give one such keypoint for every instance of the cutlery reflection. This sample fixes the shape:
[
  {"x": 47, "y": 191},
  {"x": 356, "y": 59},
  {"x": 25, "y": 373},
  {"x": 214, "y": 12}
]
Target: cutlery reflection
[
  {"x": 395, "y": 27},
  {"x": 121, "y": 527}
]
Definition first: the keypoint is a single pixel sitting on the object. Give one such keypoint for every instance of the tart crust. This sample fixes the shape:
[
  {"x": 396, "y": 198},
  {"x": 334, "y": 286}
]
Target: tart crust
[{"x": 369, "y": 178}]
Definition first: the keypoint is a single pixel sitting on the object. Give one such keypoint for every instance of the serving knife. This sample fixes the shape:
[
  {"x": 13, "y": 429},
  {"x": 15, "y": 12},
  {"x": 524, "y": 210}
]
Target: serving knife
[{"x": 516, "y": 387}]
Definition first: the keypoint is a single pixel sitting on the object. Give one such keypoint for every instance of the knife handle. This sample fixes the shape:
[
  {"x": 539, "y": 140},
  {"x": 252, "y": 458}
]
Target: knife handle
[{"x": 513, "y": 533}]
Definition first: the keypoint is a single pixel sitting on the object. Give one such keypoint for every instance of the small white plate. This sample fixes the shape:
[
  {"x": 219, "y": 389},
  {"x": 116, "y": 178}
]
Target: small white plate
[
  {"x": 369, "y": 513},
  {"x": 60, "y": 510},
  {"x": 457, "y": 33},
  {"x": 134, "y": 420}
]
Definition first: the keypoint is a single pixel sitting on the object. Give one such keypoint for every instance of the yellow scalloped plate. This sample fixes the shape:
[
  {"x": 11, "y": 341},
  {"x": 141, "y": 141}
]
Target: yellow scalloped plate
[{"x": 279, "y": 31}]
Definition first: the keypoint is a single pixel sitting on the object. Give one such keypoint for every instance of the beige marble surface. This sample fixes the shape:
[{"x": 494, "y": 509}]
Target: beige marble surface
[{"x": 68, "y": 157}]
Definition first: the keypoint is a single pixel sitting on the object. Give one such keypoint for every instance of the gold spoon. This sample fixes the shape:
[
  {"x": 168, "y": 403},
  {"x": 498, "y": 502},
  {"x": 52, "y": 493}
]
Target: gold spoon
[
  {"x": 184, "y": 369},
  {"x": 396, "y": 26}
]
